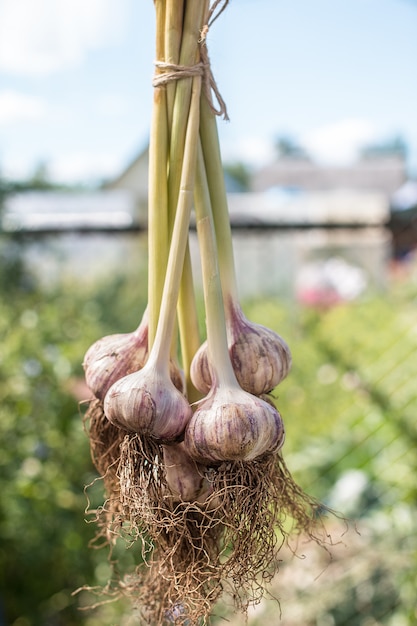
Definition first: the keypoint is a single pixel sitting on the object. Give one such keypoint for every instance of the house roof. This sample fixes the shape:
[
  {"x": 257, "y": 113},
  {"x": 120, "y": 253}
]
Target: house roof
[
  {"x": 385, "y": 174},
  {"x": 334, "y": 206},
  {"x": 39, "y": 210},
  {"x": 134, "y": 177}
]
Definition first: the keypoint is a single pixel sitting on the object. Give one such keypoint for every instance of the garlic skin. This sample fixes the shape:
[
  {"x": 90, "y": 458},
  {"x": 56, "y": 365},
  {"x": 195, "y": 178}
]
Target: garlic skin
[
  {"x": 184, "y": 478},
  {"x": 113, "y": 357},
  {"x": 233, "y": 425},
  {"x": 260, "y": 358},
  {"x": 200, "y": 370},
  {"x": 148, "y": 403}
]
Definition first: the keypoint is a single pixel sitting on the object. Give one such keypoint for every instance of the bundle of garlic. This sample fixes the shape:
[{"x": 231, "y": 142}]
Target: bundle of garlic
[{"x": 184, "y": 433}]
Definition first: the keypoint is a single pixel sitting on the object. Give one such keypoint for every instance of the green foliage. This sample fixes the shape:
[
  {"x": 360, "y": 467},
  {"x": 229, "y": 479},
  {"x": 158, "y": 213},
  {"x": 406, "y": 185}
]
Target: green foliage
[
  {"x": 393, "y": 146},
  {"x": 45, "y": 461},
  {"x": 348, "y": 405},
  {"x": 287, "y": 147},
  {"x": 13, "y": 275},
  {"x": 239, "y": 175}
]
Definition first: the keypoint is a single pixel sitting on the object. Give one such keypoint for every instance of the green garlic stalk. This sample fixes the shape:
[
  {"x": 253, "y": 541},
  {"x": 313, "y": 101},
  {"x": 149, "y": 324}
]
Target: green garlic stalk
[
  {"x": 146, "y": 401},
  {"x": 260, "y": 357},
  {"x": 229, "y": 424}
]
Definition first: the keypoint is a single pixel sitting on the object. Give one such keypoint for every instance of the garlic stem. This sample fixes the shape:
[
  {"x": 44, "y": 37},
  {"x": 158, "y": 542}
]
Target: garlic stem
[
  {"x": 215, "y": 178},
  {"x": 183, "y": 24},
  {"x": 174, "y": 16},
  {"x": 189, "y": 55},
  {"x": 215, "y": 316},
  {"x": 179, "y": 238},
  {"x": 162, "y": 208},
  {"x": 229, "y": 424},
  {"x": 260, "y": 357},
  {"x": 147, "y": 402},
  {"x": 158, "y": 232},
  {"x": 188, "y": 326}
]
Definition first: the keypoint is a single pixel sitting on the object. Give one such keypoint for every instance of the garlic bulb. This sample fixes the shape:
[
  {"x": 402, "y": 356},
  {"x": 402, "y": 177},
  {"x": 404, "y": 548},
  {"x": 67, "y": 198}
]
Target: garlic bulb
[
  {"x": 231, "y": 424},
  {"x": 148, "y": 403},
  {"x": 113, "y": 357},
  {"x": 200, "y": 371},
  {"x": 184, "y": 478},
  {"x": 261, "y": 359}
]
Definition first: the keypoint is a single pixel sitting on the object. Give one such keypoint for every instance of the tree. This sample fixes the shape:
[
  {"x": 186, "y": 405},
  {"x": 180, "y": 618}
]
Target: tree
[
  {"x": 287, "y": 147},
  {"x": 237, "y": 176},
  {"x": 394, "y": 146}
]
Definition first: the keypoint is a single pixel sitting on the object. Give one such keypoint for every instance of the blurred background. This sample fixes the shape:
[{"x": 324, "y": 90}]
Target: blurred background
[{"x": 320, "y": 160}]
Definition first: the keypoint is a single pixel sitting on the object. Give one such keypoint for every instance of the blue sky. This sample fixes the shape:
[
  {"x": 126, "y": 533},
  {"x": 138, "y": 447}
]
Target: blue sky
[{"x": 75, "y": 80}]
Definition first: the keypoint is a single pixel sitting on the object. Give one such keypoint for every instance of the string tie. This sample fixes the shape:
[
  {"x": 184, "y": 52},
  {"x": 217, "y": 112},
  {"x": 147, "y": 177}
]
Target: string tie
[{"x": 169, "y": 72}]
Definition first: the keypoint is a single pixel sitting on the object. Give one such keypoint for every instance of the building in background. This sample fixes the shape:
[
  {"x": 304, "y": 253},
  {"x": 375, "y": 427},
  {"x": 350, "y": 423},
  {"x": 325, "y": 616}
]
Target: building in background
[
  {"x": 317, "y": 232},
  {"x": 384, "y": 174},
  {"x": 299, "y": 214}
]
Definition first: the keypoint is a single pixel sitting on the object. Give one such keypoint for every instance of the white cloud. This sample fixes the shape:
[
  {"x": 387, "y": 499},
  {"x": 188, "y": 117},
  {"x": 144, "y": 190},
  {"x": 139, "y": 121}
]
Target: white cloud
[
  {"x": 18, "y": 107},
  {"x": 85, "y": 167},
  {"x": 252, "y": 150},
  {"x": 66, "y": 168},
  {"x": 42, "y": 36},
  {"x": 340, "y": 141}
]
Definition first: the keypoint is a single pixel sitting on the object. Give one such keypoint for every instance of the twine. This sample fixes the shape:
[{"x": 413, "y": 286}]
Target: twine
[{"x": 170, "y": 72}]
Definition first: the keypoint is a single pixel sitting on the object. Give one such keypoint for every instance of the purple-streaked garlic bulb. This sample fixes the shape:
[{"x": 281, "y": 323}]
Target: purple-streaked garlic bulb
[
  {"x": 232, "y": 425},
  {"x": 184, "y": 478},
  {"x": 147, "y": 402},
  {"x": 115, "y": 356},
  {"x": 260, "y": 358}
]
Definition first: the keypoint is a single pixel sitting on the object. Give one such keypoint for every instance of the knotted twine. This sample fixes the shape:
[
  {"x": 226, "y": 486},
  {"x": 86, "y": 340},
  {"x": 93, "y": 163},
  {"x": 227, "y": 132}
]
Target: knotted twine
[{"x": 170, "y": 72}]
